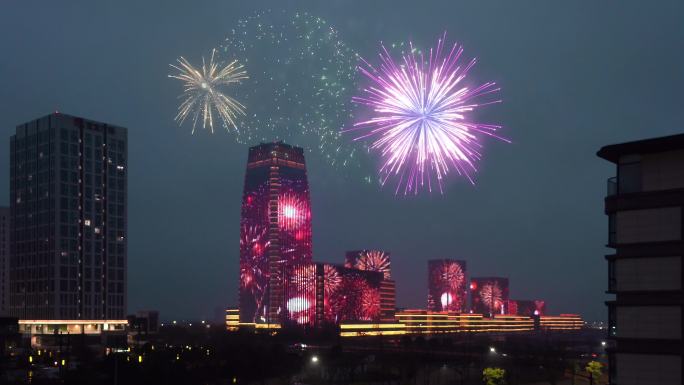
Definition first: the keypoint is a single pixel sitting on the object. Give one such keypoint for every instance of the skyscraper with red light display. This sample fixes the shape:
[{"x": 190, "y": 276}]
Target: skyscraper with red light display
[
  {"x": 319, "y": 294},
  {"x": 489, "y": 295},
  {"x": 446, "y": 285},
  {"x": 275, "y": 228},
  {"x": 379, "y": 261}
]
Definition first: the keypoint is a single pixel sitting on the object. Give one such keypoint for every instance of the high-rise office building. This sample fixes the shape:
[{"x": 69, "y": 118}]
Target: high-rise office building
[
  {"x": 4, "y": 259},
  {"x": 489, "y": 295},
  {"x": 68, "y": 200},
  {"x": 275, "y": 228},
  {"x": 379, "y": 261},
  {"x": 646, "y": 230},
  {"x": 446, "y": 285}
]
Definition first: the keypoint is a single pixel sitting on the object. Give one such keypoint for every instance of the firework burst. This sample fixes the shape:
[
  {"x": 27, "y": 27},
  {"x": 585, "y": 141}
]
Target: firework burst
[
  {"x": 421, "y": 124},
  {"x": 451, "y": 275},
  {"x": 202, "y": 92},
  {"x": 301, "y": 65},
  {"x": 370, "y": 304},
  {"x": 331, "y": 279},
  {"x": 491, "y": 295},
  {"x": 293, "y": 212},
  {"x": 253, "y": 261},
  {"x": 374, "y": 260}
]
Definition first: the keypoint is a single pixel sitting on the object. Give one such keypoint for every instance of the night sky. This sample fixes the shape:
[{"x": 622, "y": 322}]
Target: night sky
[{"x": 576, "y": 75}]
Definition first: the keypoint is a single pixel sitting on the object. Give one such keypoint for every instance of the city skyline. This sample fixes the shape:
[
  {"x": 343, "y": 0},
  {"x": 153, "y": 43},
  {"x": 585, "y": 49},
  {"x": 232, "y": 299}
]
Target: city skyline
[{"x": 535, "y": 214}]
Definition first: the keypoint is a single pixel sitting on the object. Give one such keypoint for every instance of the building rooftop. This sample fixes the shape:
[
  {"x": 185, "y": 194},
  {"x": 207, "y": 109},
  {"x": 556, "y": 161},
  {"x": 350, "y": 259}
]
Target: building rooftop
[{"x": 664, "y": 143}]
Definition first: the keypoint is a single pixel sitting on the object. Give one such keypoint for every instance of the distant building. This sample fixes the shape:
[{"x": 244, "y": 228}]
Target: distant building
[
  {"x": 275, "y": 229},
  {"x": 447, "y": 285},
  {"x": 379, "y": 261},
  {"x": 320, "y": 294},
  {"x": 526, "y": 307},
  {"x": 4, "y": 259},
  {"x": 68, "y": 243},
  {"x": 144, "y": 322},
  {"x": 644, "y": 207},
  {"x": 489, "y": 295}
]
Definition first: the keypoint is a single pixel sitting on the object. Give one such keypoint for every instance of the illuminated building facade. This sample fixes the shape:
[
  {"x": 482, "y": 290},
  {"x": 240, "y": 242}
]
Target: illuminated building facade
[
  {"x": 4, "y": 259},
  {"x": 489, "y": 295},
  {"x": 526, "y": 307},
  {"x": 379, "y": 261},
  {"x": 320, "y": 294},
  {"x": 447, "y": 285},
  {"x": 644, "y": 204},
  {"x": 275, "y": 229},
  {"x": 68, "y": 239}
]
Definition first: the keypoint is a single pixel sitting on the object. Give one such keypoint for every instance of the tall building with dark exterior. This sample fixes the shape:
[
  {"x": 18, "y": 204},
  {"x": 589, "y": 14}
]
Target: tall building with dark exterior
[
  {"x": 379, "y": 261},
  {"x": 446, "y": 285},
  {"x": 275, "y": 228},
  {"x": 4, "y": 259},
  {"x": 646, "y": 230},
  {"x": 489, "y": 295},
  {"x": 68, "y": 240}
]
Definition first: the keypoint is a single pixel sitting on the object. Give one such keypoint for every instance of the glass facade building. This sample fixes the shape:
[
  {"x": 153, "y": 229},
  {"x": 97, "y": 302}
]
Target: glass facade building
[
  {"x": 68, "y": 211},
  {"x": 275, "y": 228}
]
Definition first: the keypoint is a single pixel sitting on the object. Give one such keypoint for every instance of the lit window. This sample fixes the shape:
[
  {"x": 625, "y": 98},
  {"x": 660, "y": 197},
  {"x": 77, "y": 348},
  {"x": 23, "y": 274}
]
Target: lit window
[{"x": 87, "y": 222}]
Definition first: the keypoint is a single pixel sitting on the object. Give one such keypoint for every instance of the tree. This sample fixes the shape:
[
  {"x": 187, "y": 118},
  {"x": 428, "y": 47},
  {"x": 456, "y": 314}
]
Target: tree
[
  {"x": 493, "y": 376},
  {"x": 594, "y": 370}
]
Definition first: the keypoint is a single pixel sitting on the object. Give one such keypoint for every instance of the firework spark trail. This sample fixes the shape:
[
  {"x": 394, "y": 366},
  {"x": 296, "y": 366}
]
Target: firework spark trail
[
  {"x": 301, "y": 65},
  {"x": 202, "y": 92},
  {"x": 421, "y": 125}
]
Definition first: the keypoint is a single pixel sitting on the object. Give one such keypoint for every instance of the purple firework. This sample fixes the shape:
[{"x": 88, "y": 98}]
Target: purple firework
[{"x": 421, "y": 123}]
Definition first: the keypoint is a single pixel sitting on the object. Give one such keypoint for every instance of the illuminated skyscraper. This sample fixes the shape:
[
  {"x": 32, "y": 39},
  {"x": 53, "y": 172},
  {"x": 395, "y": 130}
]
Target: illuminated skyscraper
[
  {"x": 489, "y": 295},
  {"x": 446, "y": 285},
  {"x": 68, "y": 243},
  {"x": 275, "y": 228}
]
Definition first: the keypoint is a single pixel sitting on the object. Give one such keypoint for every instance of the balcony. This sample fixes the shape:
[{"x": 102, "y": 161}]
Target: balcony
[{"x": 612, "y": 186}]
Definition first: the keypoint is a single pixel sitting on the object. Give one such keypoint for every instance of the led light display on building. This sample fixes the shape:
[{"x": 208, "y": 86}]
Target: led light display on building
[
  {"x": 275, "y": 230},
  {"x": 489, "y": 295},
  {"x": 446, "y": 285},
  {"x": 317, "y": 294},
  {"x": 529, "y": 308},
  {"x": 371, "y": 260}
]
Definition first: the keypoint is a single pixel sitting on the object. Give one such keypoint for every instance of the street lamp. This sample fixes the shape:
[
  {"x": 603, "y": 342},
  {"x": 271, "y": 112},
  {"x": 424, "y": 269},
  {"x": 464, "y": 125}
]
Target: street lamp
[
  {"x": 492, "y": 349},
  {"x": 314, "y": 359}
]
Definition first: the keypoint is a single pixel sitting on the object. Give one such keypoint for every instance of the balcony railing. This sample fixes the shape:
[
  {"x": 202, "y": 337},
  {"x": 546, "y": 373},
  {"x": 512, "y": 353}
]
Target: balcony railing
[{"x": 612, "y": 185}]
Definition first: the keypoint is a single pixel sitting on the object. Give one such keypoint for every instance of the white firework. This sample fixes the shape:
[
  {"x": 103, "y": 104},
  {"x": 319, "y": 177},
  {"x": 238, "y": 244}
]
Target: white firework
[{"x": 202, "y": 92}]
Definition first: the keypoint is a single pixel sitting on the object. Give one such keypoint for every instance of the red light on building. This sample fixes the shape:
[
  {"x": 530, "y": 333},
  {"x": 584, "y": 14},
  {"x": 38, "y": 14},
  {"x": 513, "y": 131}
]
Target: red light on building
[{"x": 446, "y": 285}]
